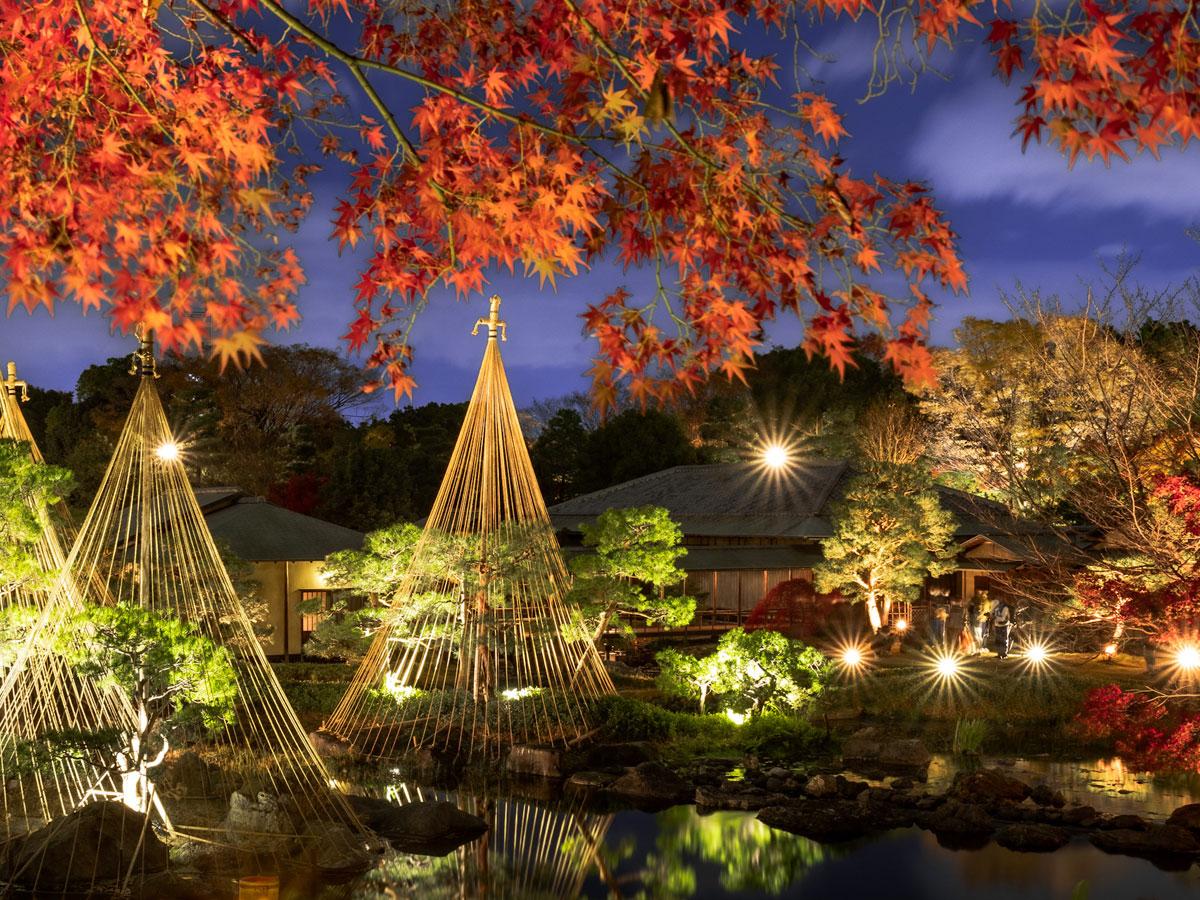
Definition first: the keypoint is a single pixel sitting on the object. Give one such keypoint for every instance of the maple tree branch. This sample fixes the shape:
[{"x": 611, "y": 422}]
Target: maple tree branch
[
  {"x": 683, "y": 142},
  {"x": 354, "y": 64},
  {"x": 133, "y": 95}
]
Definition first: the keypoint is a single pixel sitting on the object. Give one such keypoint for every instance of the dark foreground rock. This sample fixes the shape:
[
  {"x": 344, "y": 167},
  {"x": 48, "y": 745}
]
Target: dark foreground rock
[
  {"x": 539, "y": 762},
  {"x": 330, "y": 746},
  {"x": 831, "y": 822},
  {"x": 1032, "y": 838},
  {"x": 1169, "y": 845},
  {"x": 652, "y": 785},
  {"x": 96, "y": 843},
  {"x": 958, "y": 822},
  {"x": 987, "y": 786},
  {"x": 732, "y": 795},
  {"x": 875, "y": 749},
  {"x": 1187, "y": 817},
  {"x": 334, "y": 849},
  {"x": 428, "y": 826}
]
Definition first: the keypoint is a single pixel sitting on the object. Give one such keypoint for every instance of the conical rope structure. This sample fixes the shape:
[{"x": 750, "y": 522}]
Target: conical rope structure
[
  {"x": 41, "y": 693},
  {"x": 479, "y": 651},
  {"x": 261, "y": 790}
]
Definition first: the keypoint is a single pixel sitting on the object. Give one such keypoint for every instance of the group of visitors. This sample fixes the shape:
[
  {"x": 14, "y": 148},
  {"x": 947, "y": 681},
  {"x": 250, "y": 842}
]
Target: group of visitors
[{"x": 970, "y": 627}]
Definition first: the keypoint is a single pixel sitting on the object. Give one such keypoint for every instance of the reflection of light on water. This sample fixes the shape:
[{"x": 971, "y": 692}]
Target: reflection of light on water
[{"x": 1106, "y": 784}]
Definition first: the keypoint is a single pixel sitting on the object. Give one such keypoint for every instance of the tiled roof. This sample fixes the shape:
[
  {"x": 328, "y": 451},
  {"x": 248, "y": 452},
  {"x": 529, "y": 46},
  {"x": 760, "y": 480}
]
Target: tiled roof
[
  {"x": 259, "y": 531},
  {"x": 740, "y": 500}
]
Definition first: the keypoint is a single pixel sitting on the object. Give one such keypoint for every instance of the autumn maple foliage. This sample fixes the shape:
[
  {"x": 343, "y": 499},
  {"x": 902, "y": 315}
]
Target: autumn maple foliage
[
  {"x": 143, "y": 149},
  {"x": 1158, "y": 729}
]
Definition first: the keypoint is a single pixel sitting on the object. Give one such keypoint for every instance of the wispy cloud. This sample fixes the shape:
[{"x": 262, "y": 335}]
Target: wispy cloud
[{"x": 965, "y": 148}]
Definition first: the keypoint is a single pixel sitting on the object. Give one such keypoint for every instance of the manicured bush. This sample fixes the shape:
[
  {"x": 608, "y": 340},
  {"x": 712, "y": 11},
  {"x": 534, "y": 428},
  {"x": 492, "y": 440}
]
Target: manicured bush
[{"x": 750, "y": 673}]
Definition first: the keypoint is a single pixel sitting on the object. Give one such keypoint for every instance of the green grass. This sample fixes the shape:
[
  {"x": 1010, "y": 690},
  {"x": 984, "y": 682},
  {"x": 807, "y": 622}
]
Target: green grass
[{"x": 683, "y": 735}]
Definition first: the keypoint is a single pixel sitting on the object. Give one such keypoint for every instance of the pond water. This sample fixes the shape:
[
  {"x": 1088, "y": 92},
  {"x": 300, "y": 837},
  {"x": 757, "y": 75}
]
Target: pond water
[{"x": 546, "y": 848}]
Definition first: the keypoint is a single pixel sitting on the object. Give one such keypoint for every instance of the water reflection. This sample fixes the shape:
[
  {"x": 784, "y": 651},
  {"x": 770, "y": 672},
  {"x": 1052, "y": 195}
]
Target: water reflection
[
  {"x": 1105, "y": 784},
  {"x": 532, "y": 849},
  {"x": 554, "y": 848}
]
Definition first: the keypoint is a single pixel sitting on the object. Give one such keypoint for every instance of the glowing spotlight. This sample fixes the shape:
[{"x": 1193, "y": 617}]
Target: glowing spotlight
[
  {"x": 167, "y": 452},
  {"x": 776, "y": 456},
  {"x": 1187, "y": 657},
  {"x": 852, "y": 657},
  {"x": 1110, "y": 650},
  {"x": 736, "y": 718},
  {"x": 902, "y": 625},
  {"x": 947, "y": 666},
  {"x": 1037, "y": 654}
]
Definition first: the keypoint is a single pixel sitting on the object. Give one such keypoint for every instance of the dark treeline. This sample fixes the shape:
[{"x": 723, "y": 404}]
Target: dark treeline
[{"x": 286, "y": 430}]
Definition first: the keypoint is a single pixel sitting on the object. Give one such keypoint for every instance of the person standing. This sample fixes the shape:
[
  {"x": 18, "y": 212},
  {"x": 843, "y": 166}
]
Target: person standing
[
  {"x": 956, "y": 620},
  {"x": 1002, "y": 627}
]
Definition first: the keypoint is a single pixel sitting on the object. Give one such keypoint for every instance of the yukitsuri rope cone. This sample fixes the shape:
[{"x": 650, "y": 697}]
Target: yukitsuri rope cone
[
  {"x": 40, "y": 693},
  {"x": 258, "y": 797},
  {"x": 479, "y": 652},
  {"x": 530, "y": 849}
]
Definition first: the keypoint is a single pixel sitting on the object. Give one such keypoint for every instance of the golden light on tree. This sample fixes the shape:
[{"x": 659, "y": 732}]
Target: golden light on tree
[
  {"x": 1110, "y": 650},
  {"x": 167, "y": 451}
]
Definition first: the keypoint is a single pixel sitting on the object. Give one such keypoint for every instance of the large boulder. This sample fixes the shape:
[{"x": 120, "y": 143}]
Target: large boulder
[
  {"x": 334, "y": 849},
  {"x": 988, "y": 786},
  {"x": 259, "y": 823},
  {"x": 1187, "y": 817},
  {"x": 433, "y": 827},
  {"x": 188, "y": 777},
  {"x": 99, "y": 842},
  {"x": 831, "y": 822},
  {"x": 652, "y": 785},
  {"x": 732, "y": 795},
  {"x": 539, "y": 762},
  {"x": 1159, "y": 842},
  {"x": 330, "y": 746},
  {"x": 821, "y": 786},
  {"x": 1032, "y": 838},
  {"x": 873, "y": 748},
  {"x": 959, "y": 822}
]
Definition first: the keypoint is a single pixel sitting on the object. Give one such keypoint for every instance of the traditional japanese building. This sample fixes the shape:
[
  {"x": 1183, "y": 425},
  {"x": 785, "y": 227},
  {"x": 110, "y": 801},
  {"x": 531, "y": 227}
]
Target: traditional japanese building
[
  {"x": 287, "y": 550},
  {"x": 747, "y": 529}
]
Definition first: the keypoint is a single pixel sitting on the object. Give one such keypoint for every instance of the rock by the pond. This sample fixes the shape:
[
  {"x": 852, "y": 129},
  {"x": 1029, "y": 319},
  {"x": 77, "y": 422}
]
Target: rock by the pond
[
  {"x": 956, "y": 819},
  {"x": 334, "y": 849},
  {"x": 1125, "y": 821},
  {"x": 330, "y": 746},
  {"x": 1032, "y": 838},
  {"x": 540, "y": 762},
  {"x": 427, "y": 826},
  {"x": 259, "y": 823},
  {"x": 97, "y": 842},
  {"x": 1155, "y": 842},
  {"x": 1044, "y": 795},
  {"x": 1187, "y": 817},
  {"x": 652, "y": 785},
  {"x": 1082, "y": 816},
  {"x": 875, "y": 748},
  {"x": 589, "y": 781},
  {"x": 988, "y": 785},
  {"x": 188, "y": 777},
  {"x": 828, "y": 823},
  {"x": 732, "y": 795},
  {"x": 623, "y": 754},
  {"x": 821, "y": 786}
]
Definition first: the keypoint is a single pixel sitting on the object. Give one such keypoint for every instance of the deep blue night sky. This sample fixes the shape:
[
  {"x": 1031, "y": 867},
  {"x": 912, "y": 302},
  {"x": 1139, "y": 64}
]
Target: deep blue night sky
[{"x": 1023, "y": 217}]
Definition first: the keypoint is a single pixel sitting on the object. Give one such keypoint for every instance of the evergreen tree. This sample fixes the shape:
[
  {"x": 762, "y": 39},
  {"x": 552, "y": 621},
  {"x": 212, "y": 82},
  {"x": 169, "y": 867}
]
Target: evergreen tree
[{"x": 890, "y": 532}]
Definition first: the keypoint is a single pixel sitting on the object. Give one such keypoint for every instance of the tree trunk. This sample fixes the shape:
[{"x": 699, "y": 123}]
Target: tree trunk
[{"x": 873, "y": 612}]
